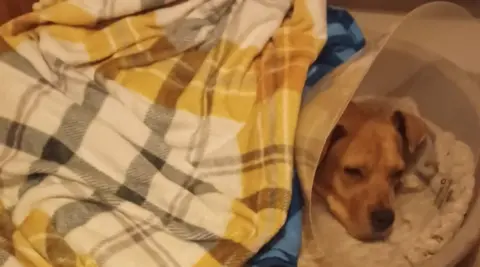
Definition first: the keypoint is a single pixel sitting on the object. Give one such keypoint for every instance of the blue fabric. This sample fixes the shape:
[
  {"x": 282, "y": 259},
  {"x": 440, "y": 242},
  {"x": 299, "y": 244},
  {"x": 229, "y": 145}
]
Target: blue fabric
[{"x": 344, "y": 40}]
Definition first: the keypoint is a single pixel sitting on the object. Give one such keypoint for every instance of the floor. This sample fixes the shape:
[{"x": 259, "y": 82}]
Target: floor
[
  {"x": 382, "y": 6},
  {"x": 13, "y": 8}
]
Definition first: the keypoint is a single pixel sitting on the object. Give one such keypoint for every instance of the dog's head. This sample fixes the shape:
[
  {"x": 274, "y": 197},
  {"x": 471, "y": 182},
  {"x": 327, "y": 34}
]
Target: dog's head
[{"x": 361, "y": 165}]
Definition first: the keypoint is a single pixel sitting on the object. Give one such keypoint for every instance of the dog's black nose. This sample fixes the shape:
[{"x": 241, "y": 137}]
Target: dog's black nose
[{"x": 382, "y": 219}]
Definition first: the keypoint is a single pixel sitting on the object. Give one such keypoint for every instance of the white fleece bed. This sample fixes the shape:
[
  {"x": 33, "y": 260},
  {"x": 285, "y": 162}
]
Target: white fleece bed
[{"x": 429, "y": 211}]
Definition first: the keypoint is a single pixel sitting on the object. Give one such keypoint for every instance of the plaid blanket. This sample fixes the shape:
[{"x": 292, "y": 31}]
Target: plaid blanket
[
  {"x": 344, "y": 40},
  {"x": 150, "y": 133}
]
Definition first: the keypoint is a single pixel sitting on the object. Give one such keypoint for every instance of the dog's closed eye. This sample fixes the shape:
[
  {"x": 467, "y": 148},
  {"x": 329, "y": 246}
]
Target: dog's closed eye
[
  {"x": 354, "y": 172},
  {"x": 396, "y": 175}
]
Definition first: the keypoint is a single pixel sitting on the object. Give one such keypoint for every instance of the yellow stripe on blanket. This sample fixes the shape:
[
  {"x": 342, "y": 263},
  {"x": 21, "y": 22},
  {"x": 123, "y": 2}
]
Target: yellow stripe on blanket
[{"x": 152, "y": 133}]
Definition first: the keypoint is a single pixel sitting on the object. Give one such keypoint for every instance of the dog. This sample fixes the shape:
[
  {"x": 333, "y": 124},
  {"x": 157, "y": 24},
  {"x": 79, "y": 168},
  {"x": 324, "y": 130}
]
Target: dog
[{"x": 362, "y": 164}]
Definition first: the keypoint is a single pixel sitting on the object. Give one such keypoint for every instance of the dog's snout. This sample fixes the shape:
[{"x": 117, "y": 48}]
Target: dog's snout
[{"x": 382, "y": 219}]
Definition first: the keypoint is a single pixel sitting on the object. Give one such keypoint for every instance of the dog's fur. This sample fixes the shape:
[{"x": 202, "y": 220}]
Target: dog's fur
[{"x": 363, "y": 161}]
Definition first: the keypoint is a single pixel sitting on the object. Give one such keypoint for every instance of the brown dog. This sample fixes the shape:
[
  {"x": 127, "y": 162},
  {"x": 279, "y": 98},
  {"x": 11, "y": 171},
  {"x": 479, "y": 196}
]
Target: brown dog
[{"x": 363, "y": 161}]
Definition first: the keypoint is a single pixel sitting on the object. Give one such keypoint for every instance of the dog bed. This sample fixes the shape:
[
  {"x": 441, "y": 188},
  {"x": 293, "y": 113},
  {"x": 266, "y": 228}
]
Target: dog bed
[{"x": 430, "y": 207}]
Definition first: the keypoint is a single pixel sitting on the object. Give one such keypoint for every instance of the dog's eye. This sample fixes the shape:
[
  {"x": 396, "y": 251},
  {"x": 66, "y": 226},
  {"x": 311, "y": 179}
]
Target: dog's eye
[
  {"x": 353, "y": 171},
  {"x": 397, "y": 174}
]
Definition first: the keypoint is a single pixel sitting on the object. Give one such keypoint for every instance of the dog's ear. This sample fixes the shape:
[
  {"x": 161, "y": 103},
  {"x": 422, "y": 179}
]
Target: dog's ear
[
  {"x": 411, "y": 128},
  {"x": 337, "y": 133}
]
